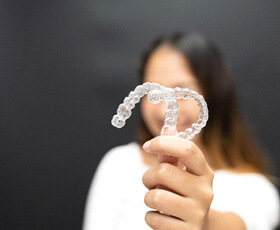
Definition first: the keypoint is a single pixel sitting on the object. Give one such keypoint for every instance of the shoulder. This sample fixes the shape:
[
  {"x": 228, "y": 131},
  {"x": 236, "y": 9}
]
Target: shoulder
[
  {"x": 122, "y": 152},
  {"x": 244, "y": 181},
  {"x": 251, "y": 184},
  {"x": 113, "y": 166},
  {"x": 251, "y": 195},
  {"x": 118, "y": 159}
]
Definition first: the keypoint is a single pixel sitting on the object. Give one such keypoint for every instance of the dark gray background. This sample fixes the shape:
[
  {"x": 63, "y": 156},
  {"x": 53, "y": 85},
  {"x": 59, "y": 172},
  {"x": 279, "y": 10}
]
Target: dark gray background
[{"x": 66, "y": 65}]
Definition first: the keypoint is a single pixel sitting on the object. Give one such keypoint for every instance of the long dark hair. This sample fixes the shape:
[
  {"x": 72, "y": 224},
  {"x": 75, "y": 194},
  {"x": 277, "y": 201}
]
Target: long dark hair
[{"x": 225, "y": 136}]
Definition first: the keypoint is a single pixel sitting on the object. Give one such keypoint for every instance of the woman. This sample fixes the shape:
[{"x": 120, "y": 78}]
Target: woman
[{"x": 217, "y": 181}]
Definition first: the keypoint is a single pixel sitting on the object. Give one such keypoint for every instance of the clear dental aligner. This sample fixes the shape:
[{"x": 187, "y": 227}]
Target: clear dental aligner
[{"x": 156, "y": 94}]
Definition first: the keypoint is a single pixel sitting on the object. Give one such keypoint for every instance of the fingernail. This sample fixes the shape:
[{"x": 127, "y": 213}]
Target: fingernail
[{"x": 146, "y": 145}]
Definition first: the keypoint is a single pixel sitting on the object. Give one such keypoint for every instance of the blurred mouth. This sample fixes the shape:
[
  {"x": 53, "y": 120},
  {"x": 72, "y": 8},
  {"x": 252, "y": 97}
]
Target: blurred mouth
[{"x": 181, "y": 127}]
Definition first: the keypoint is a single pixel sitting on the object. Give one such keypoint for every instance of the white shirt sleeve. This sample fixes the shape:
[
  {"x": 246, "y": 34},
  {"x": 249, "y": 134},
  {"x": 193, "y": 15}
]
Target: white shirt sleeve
[{"x": 251, "y": 196}]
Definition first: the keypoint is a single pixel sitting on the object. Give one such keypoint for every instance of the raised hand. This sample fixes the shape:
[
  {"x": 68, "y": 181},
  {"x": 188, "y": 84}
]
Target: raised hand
[{"x": 186, "y": 201}]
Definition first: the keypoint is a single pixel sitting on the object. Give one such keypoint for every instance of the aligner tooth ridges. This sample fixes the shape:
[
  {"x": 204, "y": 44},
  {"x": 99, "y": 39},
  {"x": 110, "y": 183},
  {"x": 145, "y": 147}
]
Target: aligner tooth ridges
[{"x": 156, "y": 94}]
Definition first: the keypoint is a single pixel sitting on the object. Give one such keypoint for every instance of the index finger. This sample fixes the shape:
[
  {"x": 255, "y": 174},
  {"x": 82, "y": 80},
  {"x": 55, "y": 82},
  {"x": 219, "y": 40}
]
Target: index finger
[{"x": 186, "y": 150}]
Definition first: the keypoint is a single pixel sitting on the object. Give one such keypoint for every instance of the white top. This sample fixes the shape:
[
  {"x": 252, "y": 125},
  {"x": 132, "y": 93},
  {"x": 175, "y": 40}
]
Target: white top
[{"x": 116, "y": 197}]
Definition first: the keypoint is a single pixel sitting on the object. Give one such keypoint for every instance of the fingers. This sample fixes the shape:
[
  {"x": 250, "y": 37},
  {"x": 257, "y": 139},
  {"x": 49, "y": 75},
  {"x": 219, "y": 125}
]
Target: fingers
[
  {"x": 171, "y": 204},
  {"x": 171, "y": 177},
  {"x": 181, "y": 148},
  {"x": 187, "y": 195},
  {"x": 166, "y": 202},
  {"x": 158, "y": 221}
]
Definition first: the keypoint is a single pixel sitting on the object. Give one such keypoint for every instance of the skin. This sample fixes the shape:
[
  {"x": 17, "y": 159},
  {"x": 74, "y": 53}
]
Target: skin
[
  {"x": 169, "y": 68},
  {"x": 179, "y": 192}
]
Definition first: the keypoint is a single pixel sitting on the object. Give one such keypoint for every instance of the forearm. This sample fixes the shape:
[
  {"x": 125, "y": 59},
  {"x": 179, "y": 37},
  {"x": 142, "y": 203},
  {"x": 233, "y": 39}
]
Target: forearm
[{"x": 223, "y": 220}]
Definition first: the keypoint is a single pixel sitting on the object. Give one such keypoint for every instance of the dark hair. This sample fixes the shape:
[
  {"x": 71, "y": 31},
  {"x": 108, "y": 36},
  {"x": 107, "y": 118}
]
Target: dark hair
[{"x": 225, "y": 136}]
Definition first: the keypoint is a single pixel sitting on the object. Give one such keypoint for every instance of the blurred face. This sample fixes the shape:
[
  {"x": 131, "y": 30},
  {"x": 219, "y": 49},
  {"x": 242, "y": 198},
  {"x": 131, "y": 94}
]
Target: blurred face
[{"x": 169, "y": 68}]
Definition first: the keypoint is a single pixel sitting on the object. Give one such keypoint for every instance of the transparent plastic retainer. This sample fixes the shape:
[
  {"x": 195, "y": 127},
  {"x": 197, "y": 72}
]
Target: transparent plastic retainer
[{"x": 157, "y": 93}]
